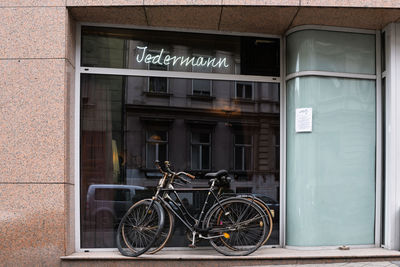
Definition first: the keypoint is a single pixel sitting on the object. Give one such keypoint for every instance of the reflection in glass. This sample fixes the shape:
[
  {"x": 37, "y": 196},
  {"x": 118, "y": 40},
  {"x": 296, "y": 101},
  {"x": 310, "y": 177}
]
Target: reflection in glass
[
  {"x": 156, "y": 147},
  {"x": 319, "y": 50},
  {"x": 202, "y": 87},
  {"x": 178, "y": 51},
  {"x": 201, "y": 151},
  {"x": 331, "y": 170},
  {"x": 124, "y": 129},
  {"x": 244, "y": 90}
]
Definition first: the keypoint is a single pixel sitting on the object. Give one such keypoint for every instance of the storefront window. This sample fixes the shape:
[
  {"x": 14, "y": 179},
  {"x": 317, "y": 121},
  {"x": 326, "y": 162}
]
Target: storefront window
[
  {"x": 128, "y": 122},
  {"x": 331, "y": 166},
  {"x": 122, "y": 137},
  {"x": 173, "y": 51},
  {"x": 317, "y": 50}
]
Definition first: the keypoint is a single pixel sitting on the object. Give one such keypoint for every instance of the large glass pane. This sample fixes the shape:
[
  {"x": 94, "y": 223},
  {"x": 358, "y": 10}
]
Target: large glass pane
[
  {"x": 125, "y": 129},
  {"x": 331, "y": 51},
  {"x": 177, "y": 51},
  {"x": 102, "y": 158},
  {"x": 331, "y": 170}
]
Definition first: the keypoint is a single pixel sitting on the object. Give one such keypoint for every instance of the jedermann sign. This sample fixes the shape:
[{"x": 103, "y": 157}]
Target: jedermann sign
[{"x": 166, "y": 60}]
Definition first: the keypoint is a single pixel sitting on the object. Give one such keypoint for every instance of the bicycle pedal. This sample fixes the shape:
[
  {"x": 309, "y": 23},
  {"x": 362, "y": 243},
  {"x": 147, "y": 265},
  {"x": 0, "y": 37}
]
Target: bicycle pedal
[{"x": 192, "y": 246}]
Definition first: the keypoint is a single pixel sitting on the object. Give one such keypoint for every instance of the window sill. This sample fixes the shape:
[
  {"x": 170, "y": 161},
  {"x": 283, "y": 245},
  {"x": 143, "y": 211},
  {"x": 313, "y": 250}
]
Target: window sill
[
  {"x": 275, "y": 255},
  {"x": 243, "y": 101},
  {"x": 269, "y": 101},
  {"x": 157, "y": 94},
  {"x": 201, "y": 97}
]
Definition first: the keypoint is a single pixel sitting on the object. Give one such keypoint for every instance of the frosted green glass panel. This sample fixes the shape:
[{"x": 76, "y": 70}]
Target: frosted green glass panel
[
  {"x": 331, "y": 171},
  {"x": 331, "y": 51}
]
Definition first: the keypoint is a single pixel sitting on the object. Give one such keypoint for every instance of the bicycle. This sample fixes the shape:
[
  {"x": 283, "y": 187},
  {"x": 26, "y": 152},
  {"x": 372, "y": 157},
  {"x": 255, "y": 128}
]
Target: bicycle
[{"x": 234, "y": 226}]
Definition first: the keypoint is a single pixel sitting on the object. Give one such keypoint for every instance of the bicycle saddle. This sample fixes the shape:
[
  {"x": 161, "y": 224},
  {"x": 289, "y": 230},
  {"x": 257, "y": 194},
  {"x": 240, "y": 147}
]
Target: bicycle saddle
[{"x": 217, "y": 174}]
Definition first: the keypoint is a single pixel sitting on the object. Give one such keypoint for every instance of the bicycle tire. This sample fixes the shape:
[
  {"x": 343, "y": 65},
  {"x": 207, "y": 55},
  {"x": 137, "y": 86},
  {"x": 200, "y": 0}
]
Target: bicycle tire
[
  {"x": 268, "y": 218},
  {"x": 165, "y": 234},
  {"x": 270, "y": 223},
  {"x": 140, "y": 227},
  {"x": 265, "y": 208},
  {"x": 240, "y": 225}
]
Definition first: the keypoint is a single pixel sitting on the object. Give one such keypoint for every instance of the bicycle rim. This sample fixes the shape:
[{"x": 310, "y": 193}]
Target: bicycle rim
[
  {"x": 268, "y": 218},
  {"x": 165, "y": 234},
  {"x": 139, "y": 228},
  {"x": 240, "y": 225}
]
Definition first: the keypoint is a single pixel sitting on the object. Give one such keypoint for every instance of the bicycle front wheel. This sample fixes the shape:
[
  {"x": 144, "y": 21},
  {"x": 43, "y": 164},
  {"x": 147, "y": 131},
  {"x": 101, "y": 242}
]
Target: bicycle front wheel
[
  {"x": 165, "y": 234},
  {"x": 139, "y": 228},
  {"x": 237, "y": 227}
]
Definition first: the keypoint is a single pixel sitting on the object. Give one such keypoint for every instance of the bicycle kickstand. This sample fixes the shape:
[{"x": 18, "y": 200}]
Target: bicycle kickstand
[{"x": 193, "y": 244}]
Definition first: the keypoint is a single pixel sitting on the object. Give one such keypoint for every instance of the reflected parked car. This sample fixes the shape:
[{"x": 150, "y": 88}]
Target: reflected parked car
[{"x": 107, "y": 203}]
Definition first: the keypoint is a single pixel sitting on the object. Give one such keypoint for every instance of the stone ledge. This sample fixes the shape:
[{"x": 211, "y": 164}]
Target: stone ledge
[{"x": 262, "y": 254}]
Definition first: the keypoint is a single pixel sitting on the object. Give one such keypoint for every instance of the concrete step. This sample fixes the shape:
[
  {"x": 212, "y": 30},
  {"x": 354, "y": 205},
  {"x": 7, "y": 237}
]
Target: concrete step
[{"x": 210, "y": 258}]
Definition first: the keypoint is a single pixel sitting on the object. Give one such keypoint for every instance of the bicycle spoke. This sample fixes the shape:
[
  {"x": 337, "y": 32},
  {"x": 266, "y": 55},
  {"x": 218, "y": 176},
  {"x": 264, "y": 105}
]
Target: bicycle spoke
[
  {"x": 244, "y": 224},
  {"x": 139, "y": 228}
]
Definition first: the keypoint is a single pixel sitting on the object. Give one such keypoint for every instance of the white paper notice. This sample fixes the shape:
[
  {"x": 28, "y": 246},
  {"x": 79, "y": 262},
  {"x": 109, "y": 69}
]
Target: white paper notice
[{"x": 303, "y": 120}]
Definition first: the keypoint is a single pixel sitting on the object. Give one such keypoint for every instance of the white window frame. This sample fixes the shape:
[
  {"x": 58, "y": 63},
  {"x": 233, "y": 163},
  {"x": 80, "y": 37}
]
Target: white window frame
[
  {"x": 157, "y": 149},
  {"x": 200, "y": 145},
  {"x": 243, "y": 146},
  {"x": 193, "y": 80},
  {"x": 244, "y": 98},
  {"x": 169, "y": 74},
  {"x": 211, "y": 83},
  {"x": 149, "y": 78}
]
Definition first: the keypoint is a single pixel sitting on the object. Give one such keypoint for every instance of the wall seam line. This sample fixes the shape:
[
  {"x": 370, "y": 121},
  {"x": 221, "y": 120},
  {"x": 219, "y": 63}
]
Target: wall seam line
[
  {"x": 29, "y": 6},
  {"x": 292, "y": 20},
  {"x": 26, "y": 183}
]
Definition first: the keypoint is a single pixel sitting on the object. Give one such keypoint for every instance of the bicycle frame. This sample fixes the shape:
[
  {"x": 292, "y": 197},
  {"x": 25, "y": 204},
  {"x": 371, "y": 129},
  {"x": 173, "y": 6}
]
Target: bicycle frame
[
  {"x": 184, "y": 213},
  {"x": 163, "y": 194}
]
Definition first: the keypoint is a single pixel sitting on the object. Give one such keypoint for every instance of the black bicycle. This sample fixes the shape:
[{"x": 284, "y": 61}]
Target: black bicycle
[{"x": 234, "y": 226}]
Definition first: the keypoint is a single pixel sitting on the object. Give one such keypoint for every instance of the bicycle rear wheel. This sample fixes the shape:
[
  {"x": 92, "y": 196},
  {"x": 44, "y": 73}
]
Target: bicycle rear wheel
[
  {"x": 238, "y": 226},
  {"x": 268, "y": 217},
  {"x": 139, "y": 228}
]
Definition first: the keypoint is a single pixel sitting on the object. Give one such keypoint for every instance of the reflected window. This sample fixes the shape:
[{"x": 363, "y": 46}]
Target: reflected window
[
  {"x": 158, "y": 84},
  {"x": 244, "y": 90},
  {"x": 156, "y": 147},
  {"x": 202, "y": 87},
  {"x": 243, "y": 152},
  {"x": 201, "y": 151}
]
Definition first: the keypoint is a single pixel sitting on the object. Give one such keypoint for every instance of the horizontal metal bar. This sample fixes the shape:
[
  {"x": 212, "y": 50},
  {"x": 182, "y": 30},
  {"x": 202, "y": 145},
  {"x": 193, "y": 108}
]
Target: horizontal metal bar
[
  {"x": 329, "y": 28},
  {"x": 331, "y": 74},
  {"x": 177, "y": 74}
]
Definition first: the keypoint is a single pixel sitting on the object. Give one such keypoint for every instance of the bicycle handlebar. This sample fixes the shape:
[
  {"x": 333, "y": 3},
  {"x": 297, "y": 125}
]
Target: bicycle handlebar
[{"x": 167, "y": 169}]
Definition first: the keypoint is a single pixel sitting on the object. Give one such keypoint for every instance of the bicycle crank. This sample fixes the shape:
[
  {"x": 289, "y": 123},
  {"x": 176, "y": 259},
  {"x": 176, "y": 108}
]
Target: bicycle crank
[{"x": 226, "y": 235}]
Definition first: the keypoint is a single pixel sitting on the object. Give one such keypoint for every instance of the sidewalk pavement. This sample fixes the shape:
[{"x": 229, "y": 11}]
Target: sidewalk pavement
[{"x": 341, "y": 264}]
